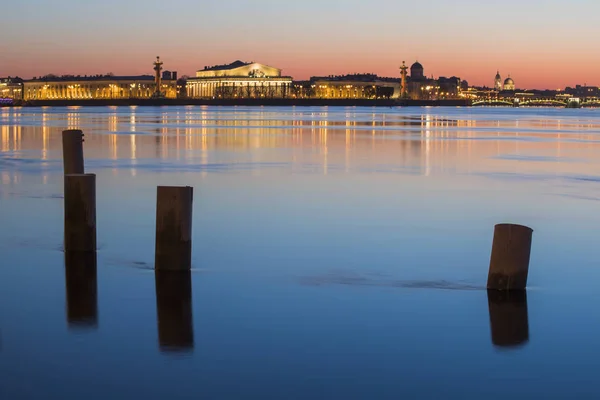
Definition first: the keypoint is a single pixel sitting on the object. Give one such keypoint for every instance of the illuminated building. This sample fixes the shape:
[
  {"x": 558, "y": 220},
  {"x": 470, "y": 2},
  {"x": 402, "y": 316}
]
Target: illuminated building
[
  {"x": 509, "y": 84},
  {"x": 239, "y": 80},
  {"x": 96, "y": 87},
  {"x": 419, "y": 87},
  {"x": 70, "y": 87},
  {"x": 11, "y": 88},
  {"x": 498, "y": 82},
  {"x": 356, "y": 86},
  {"x": 584, "y": 91}
]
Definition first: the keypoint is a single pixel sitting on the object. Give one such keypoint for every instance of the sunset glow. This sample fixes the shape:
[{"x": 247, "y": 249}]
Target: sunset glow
[{"x": 541, "y": 44}]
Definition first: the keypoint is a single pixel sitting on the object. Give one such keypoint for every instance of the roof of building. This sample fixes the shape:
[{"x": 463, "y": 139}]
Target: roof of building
[
  {"x": 498, "y": 75},
  {"x": 347, "y": 77},
  {"x": 416, "y": 65},
  {"x": 509, "y": 81},
  {"x": 9, "y": 79},
  {"x": 235, "y": 64},
  {"x": 353, "y": 78},
  {"x": 70, "y": 78}
]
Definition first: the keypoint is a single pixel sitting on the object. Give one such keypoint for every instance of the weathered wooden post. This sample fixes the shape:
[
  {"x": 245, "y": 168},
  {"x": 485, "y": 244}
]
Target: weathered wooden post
[
  {"x": 80, "y": 213},
  {"x": 509, "y": 263},
  {"x": 174, "y": 310},
  {"x": 72, "y": 142},
  {"x": 81, "y": 289},
  {"x": 509, "y": 320},
  {"x": 173, "y": 228}
]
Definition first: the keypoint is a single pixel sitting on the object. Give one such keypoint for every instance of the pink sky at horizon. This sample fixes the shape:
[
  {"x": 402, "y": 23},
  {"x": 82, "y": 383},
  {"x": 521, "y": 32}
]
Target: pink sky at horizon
[
  {"x": 541, "y": 44},
  {"x": 527, "y": 76}
]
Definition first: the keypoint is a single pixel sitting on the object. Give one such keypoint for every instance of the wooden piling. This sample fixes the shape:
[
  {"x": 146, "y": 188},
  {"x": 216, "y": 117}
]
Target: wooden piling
[
  {"x": 81, "y": 289},
  {"x": 173, "y": 228},
  {"x": 509, "y": 262},
  {"x": 509, "y": 320},
  {"x": 72, "y": 142},
  {"x": 174, "y": 310},
  {"x": 80, "y": 213}
]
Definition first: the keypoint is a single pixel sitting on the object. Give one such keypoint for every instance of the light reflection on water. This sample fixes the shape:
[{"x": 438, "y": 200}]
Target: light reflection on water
[{"x": 338, "y": 252}]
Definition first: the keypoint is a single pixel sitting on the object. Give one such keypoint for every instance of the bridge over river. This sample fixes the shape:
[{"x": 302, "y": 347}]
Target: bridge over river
[{"x": 570, "y": 103}]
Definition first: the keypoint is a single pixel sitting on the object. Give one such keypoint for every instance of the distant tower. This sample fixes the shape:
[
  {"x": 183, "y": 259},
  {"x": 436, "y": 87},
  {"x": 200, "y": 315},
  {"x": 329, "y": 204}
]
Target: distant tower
[
  {"x": 498, "y": 82},
  {"x": 403, "y": 73},
  {"x": 157, "y": 79}
]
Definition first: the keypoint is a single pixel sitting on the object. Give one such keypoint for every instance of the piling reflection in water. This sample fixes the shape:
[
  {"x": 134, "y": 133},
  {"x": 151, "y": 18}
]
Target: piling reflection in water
[
  {"x": 509, "y": 321},
  {"x": 81, "y": 287},
  {"x": 174, "y": 310}
]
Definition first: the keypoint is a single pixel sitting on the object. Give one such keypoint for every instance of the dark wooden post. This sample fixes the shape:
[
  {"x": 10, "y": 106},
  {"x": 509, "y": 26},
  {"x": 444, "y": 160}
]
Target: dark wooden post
[
  {"x": 509, "y": 320},
  {"x": 81, "y": 289},
  {"x": 80, "y": 213},
  {"x": 174, "y": 310},
  {"x": 509, "y": 263},
  {"x": 72, "y": 141},
  {"x": 173, "y": 228}
]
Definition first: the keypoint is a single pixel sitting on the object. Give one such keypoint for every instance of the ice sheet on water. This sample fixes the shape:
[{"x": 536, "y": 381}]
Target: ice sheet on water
[
  {"x": 529, "y": 157},
  {"x": 356, "y": 279}
]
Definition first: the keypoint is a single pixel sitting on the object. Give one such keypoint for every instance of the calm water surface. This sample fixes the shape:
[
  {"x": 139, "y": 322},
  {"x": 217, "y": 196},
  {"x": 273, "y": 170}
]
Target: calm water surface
[{"x": 338, "y": 253}]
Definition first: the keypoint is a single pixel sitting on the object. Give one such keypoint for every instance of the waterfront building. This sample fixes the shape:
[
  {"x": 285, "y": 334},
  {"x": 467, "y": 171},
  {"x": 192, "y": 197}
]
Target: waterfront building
[
  {"x": 419, "y": 87},
  {"x": 474, "y": 93},
  {"x": 481, "y": 93},
  {"x": 584, "y": 91},
  {"x": 303, "y": 90},
  {"x": 69, "y": 87},
  {"x": 11, "y": 88},
  {"x": 448, "y": 88},
  {"x": 356, "y": 86},
  {"x": 239, "y": 80}
]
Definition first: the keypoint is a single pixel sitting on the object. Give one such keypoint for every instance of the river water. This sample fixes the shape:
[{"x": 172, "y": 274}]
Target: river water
[{"x": 337, "y": 253}]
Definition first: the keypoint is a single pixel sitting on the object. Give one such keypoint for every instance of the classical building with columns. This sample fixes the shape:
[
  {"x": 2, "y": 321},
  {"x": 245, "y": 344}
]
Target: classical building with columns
[
  {"x": 356, "y": 86},
  {"x": 71, "y": 87},
  {"x": 239, "y": 80},
  {"x": 96, "y": 87},
  {"x": 11, "y": 88}
]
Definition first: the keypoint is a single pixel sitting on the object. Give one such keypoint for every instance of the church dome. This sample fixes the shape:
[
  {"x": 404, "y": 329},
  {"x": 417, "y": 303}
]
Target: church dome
[
  {"x": 509, "y": 81},
  {"x": 498, "y": 77},
  {"x": 416, "y": 71}
]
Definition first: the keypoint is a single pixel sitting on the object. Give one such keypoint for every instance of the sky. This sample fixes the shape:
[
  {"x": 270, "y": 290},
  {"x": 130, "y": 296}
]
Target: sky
[{"x": 540, "y": 43}]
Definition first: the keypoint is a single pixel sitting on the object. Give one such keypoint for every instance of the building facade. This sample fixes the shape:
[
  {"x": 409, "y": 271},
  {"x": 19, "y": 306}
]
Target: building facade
[
  {"x": 419, "y": 87},
  {"x": 355, "y": 86},
  {"x": 584, "y": 91},
  {"x": 239, "y": 80},
  {"x": 96, "y": 87},
  {"x": 11, "y": 88},
  {"x": 71, "y": 87}
]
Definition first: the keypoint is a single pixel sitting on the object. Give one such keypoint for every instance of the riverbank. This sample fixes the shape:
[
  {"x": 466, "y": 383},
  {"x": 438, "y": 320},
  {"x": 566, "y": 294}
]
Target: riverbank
[{"x": 248, "y": 102}]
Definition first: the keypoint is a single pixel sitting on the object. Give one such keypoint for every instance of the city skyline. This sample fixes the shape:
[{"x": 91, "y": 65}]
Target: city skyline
[{"x": 549, "y": 49}]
